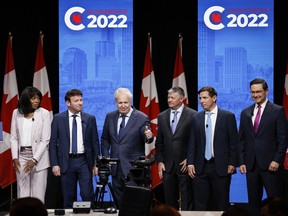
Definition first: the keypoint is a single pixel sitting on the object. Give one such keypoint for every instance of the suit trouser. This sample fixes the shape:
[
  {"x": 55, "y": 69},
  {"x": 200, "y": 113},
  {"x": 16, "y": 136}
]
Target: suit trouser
[
  {"x": 178, "y": 185},
  {"x": 211, "y": 191},
  {"x": 256, "y": 179},
  {"x": 33, "y": 183},
  {"x": 78, "y": 171}
]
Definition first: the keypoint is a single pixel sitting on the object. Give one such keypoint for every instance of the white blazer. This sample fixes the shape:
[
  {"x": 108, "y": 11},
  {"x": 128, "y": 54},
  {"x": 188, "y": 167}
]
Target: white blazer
[{"x": 41, "y": 131}]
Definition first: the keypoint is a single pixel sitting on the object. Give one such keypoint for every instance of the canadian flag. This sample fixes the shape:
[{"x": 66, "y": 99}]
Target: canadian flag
[
  {"x": 40, "y": 79},
  {"x": 285, "y": 105},
  {"x": 149, "y": 104},
  {"x": 9, "y": 103},
  {"x": 179, "y": 74}
]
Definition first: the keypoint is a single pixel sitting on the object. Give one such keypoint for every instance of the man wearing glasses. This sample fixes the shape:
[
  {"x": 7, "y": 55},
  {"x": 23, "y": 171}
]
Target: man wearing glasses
[{"x": 262, "y": 145}]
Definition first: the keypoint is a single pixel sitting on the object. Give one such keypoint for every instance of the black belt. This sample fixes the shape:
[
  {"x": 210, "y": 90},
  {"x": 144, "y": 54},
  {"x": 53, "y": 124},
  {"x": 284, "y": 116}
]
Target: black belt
[
  {"x": 209, "y": 161},
  {"x": 23, "y": 148},
  {"x": 76, "y": 155}
]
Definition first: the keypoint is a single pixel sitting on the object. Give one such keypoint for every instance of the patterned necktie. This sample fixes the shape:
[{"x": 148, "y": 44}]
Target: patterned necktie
[
  {"x": 122, "y": 127},
  {"x": 208, "y": 152},
  {"x": 174, "y": 121},
  {"x": 74, "y": 135},
  {"x": 257, "y": 119}
]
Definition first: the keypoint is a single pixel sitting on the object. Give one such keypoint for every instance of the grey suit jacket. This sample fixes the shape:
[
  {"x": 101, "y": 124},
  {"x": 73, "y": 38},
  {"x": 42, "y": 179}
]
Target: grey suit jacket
[
  {"x": 172, "y": 148},
  {"x": 225, "y": 142},
  {"x": 60, "y": 140},
  {"x": 270, "y": 141}
]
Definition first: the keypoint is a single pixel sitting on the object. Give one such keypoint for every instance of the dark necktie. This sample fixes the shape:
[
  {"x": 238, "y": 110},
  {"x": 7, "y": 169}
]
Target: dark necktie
[
  {"x": 74, "y": 135},
  {"x": 208, "y": 151},
  {"x": 257, "y": 119},
  {"x": 122, "y": 127},
  {"x": 174, "y": 121}
]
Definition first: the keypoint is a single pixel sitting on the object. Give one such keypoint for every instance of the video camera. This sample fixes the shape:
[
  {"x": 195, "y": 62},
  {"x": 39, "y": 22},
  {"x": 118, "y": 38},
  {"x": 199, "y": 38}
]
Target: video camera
[
  {"x": 141, "y": 171},
  {"x": 103, "y": 165}
]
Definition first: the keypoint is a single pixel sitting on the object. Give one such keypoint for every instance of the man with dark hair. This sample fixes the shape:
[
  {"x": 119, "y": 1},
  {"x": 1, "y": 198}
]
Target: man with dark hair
[
  {"x": 212, "y": 153},
  {"x": 262, "y": 145},
  {"x": 74, "y": 148}
]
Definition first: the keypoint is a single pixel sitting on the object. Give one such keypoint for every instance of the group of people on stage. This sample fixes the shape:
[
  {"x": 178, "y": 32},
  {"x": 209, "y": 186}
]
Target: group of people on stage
[{"x": 196, "y": 152}]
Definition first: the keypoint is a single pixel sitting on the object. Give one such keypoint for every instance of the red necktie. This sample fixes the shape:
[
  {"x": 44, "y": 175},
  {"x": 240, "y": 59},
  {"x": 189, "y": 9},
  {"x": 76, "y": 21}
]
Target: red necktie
[{"x": 257, "y": 119}]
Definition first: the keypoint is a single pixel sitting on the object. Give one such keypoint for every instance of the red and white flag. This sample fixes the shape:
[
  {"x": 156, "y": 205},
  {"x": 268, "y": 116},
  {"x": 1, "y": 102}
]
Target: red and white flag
[
  {"x": 285, "y": 105},
  {"x": 179, "y": 74},
  {"x": 149, "y": 104},
  {"x": 9, "y": 103},
  {"x": 40, "y": 79}
]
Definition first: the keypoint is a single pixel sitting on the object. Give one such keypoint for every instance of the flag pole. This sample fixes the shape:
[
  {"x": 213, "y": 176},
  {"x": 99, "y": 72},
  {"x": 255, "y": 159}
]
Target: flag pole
[{"x": 11, "y": 193}]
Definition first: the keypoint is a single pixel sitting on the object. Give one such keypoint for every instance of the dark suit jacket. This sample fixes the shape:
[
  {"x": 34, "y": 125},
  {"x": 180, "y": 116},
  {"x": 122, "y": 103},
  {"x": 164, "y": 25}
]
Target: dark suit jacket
[
  {"x": 60, "y": 141},
  {"x": 225, "y": 142},
  {"x": 269, "y": 144},
  {"x": 170, "y": 147},
  {"x": 131, "y": 146}
]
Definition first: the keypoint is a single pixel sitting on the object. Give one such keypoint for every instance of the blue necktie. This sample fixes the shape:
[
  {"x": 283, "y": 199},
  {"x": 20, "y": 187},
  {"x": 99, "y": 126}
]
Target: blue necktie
[
  {"x": 174, "y": 121},
  {"x": 122, "y": 127},
  {"x": 74, "y": 135},
  {"x": 208, "y": 152}
]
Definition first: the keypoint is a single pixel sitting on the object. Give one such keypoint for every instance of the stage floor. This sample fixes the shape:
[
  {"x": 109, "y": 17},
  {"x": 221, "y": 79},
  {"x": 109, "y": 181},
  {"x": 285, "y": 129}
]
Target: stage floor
[{"x": 183, "y": 213}]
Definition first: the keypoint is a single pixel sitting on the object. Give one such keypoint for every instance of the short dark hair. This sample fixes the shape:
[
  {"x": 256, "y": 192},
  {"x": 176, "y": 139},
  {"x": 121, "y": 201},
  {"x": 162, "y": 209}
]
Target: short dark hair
[
  {"x": 72, "y": 92},
  {"x": 259, "y": 81},
  {"x": 178, "y": 90},
  {"x": 24, "y": 104},
  {"x": 211, "y": 91},
  {"x": 28, "y": 206},
  {"x": 274, "y": 205}
]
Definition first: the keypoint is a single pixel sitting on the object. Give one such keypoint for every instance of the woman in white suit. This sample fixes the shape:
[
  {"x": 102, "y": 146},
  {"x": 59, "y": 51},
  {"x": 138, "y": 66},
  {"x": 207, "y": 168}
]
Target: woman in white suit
[{"x": 30, "y": 136}]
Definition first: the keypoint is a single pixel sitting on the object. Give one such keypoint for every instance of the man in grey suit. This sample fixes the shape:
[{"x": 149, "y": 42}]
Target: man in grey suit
[
  {"x": 74, "y": 164},
  {"x": 212, "y": 158},
  {"x": 171, "y": 150},
  {"x": 125, "y": 132},
  {"x": 262, "y": 145}
]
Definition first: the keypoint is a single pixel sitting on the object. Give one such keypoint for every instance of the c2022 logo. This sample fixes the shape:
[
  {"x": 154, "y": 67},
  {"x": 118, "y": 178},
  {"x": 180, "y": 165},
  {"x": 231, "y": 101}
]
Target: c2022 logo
[
  {"x": 102, "y": 21},
  {"x": 236, "y": 20}
]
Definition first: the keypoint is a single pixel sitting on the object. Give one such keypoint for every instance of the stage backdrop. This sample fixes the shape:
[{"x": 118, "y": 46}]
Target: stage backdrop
[
  {"x": 235, "y": 45},
  {"x": 95, "y": 52}
]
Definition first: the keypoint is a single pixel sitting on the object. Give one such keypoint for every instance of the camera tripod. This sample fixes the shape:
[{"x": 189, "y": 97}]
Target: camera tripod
[{"x": 99, "y": 195}]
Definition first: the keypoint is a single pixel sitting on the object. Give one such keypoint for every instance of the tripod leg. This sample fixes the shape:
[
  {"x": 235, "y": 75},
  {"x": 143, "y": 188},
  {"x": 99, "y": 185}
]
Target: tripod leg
[{"x": 113, "y": 195}]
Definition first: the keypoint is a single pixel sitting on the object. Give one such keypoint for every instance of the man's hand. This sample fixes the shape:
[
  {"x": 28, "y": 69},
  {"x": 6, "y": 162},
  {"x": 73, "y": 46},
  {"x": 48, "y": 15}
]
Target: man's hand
[
  {"x": 161, "y": 168},
  {"x": 56, "y": 171},
  {"x": 148, "y": 133}
]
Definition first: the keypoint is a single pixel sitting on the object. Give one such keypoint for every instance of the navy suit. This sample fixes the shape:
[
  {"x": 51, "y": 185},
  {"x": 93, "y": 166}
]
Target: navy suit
[
  {"x": 212, "y": 178},
  {"x": 257, "y": 151},
  {"x": 59, "y": 156},
  {"x": 130, "y": 147},
  {"x": 171, "y": 149}
]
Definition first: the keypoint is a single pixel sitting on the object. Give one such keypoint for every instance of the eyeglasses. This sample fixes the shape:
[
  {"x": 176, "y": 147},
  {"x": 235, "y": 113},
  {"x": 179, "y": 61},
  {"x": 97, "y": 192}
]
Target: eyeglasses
[{"x": 256, "y": 92}]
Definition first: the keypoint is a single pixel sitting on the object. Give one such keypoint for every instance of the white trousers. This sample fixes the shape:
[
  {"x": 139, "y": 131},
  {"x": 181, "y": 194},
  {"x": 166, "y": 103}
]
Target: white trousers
[{"x": 33, "y": 183}]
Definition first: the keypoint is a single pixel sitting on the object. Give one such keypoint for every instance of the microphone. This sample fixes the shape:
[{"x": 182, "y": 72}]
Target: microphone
[
  {"x": 252, "y": 113},
  {"x": 172, "y": 121},
  {"x": 206, "y": 125},
  {"x": 82, "y": 121},
  {"x": 32, "y": 119}
]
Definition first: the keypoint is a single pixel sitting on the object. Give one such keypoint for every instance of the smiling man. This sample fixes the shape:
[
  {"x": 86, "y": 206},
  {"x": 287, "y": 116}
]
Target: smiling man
[
  {"x": 74, "y": 161},
  {"x": 262, "y": 145}
]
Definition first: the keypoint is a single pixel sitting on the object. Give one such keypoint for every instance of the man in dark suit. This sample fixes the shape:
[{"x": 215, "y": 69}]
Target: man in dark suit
[
  {"x": 212, "y": 159},
  {"x": 262, "y": 145},
  {"x": 74, "y": 164},
  {"x": 171, "y": 150},
  {"x": 125, "y": 132}
]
